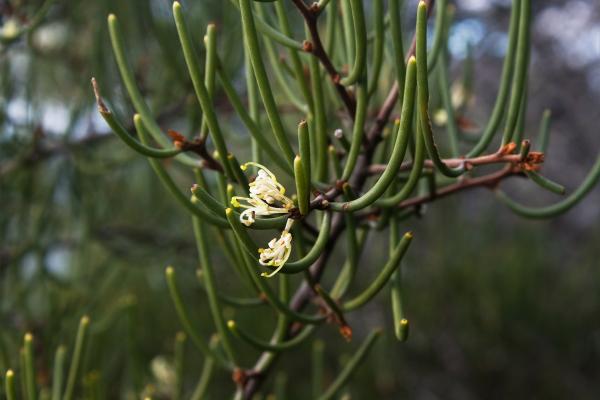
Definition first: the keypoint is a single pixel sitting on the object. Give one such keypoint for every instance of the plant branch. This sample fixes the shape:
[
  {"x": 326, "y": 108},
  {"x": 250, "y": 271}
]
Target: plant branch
[
  {"x": 489, "y": 181},
  {"x": 304, "y": 293},
  {"x": 500, "y": 157},
  {"x": 315, "y": 47}
]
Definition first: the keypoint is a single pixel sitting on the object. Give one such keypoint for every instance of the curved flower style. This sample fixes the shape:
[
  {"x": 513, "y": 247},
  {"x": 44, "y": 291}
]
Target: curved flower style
[
  {"x": 255, "y": 207},
  {"x": 267, "y": 196},
  {"x": 278, "y": 252},
  {"x": 266, "y": 187}
]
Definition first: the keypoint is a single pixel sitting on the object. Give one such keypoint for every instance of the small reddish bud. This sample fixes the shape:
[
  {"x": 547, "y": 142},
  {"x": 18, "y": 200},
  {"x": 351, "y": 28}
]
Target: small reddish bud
[
  {"x": 508, "y": 148},
  {"x": 346, "y": 332},
  {"x": 175, "y": 136},
  {"x": 466, "y": 124},
  {"x": 372, "y": 217},
  {"x": 535, "y": 157},
  {"x": 307, "y": 46},
  {"x": 239, "y": 376}
]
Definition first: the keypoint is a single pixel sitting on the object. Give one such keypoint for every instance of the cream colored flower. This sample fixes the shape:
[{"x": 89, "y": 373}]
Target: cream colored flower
[
  {"x": 278, "y": 252},
  {"x": 254, "y": 207},
  {"x": 267, "y": 196},
  {"x": 266, "y": 187}
]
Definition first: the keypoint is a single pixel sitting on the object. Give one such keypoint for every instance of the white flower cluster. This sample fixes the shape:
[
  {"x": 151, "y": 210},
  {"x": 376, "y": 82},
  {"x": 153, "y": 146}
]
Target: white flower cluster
[{"x": 267, "y": 197}]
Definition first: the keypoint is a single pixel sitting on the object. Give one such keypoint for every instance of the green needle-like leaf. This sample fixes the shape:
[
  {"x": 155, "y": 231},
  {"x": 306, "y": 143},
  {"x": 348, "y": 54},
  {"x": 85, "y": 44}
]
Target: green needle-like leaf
[
  {"x": 171, "y": 187},
  {"x": 423, "y": 94},
  {"x": 504, "y": 89},
  {"x": 9, "y": 385},
  {"x": 183, "y": 315},
  {"x": 441, "y": 11},
  {"x": 211, "y": 288},
  {"x": 383, "y": 277},
  {"x": 359, "y": 31},
  {"x": 202, "y": 94},
  {"x": 545, "y": 183},
  {"x": 29, "y": 367},
  {"x": 122, "y": 133},
  {"x": 558, "y": 208},
  {"x": 397, "y": 156},
  {"x": 134, "y": 93},
  {"x": 58, "y": 372},
  {"x": 357, "y": 130},
  {"x": 302, "y": 186},
  {"x": 266, "y": 29},
  {"x": 351, "y": 366},
  {"x": 262, "y": 345},
  {"x": 520, "y": 79},
  {"x": 544, "y": 135},
  {"x": 262, "y": 79},
  {"x": 80, "y": 341}
]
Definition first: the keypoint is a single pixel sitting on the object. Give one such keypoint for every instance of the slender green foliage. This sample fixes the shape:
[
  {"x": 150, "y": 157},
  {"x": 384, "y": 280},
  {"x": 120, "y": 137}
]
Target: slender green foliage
[
  {"x": 504, "y": 89},
  {"x": 9, "y": 385},
  {"x": 560, "y": 207},
  {"x": 423, "y": 90},
  {"x": 383, "y": 277},
  {"x": 365, "y": 160},
  {"x": 75, "y": 366},
  {"x": 521, "y": 64},
  {"x": 58, "y": 372},
  {"x": 264, "y": 87},
  {"x": 351, "y": 366}
]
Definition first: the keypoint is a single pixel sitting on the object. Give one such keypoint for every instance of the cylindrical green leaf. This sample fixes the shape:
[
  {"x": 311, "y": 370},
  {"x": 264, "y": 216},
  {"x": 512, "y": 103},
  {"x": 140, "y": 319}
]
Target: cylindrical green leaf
[
  {"x": 522, "y": 62},
  {"x": 263, "y": 345},
  {"x": 359, "y": 32},
  {"x": 80, "y": 341},
  {"x": 58, "y": 372},
  {"x": 29, "y": 367},
  {"x": 562, "y": 206},
  {"x": 423, "y": 94},
  {"x": 383, "y": 277},
  {"x": 302, "y": 188},
  {"x": 9, "y": 385},
  {"x": 202, "y": 94},
  {"x": 264, "y": 87},
  {"x": 397, "y": 156},
  {"x": 183, "y": 315},
  {"x": 351, "y": 366},
  {"x": 504, "y": 88}
]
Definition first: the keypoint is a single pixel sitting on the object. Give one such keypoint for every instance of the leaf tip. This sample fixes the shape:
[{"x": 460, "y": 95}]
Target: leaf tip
[{"x": 85, "y": 320}]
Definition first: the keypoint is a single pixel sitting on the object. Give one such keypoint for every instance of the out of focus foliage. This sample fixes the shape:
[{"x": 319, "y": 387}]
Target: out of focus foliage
[{"x": 498, "y": 309}]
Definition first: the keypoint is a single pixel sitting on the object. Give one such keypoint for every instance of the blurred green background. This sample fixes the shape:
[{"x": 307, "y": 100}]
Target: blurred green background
[{"x": 500, "y": 307}]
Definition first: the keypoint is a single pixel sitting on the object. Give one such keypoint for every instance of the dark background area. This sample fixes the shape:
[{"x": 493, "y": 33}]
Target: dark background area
[{"x": 500, "y": 307}]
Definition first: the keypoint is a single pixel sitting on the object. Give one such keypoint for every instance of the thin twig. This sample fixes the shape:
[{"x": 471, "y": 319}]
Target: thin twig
[
  {"x": 532, "y": 160},
  {"x": 315, "y": 47},
  {"x": 489, "y": 181}
]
